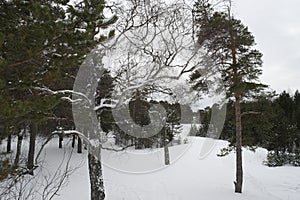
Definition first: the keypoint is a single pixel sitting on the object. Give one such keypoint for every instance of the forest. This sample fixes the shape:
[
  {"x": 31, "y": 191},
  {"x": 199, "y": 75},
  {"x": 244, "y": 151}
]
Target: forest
[{"x": 111, "y": 76}]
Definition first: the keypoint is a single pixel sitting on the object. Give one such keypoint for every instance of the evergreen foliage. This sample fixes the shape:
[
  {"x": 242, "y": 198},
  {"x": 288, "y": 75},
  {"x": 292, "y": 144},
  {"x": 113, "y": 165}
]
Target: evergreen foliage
[
  {"x": 42, "y": 45},
  {"x": 104, "y": 93},
  {"x": 229, "y": 46},
  {"x": 276, "y": 128}
]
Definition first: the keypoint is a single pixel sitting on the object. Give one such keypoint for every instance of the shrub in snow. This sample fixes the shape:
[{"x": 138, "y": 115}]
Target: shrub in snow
[
  {"x": 275, "y": 159},
  {"x": 185, "y": 141},
  {"x": 194, "y": 130},
  {"x": 225, "y": 151},
  {"x": 5, "y": 169}
]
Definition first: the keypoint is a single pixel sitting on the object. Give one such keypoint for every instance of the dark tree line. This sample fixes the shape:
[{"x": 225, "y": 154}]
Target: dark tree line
[
  {"x": 275, "y": 126},
  {"x": 139, "y": 111},
  {"x": 43, "y": 44}
]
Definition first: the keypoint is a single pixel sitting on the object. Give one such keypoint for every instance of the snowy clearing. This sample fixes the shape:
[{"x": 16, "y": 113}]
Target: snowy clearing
[
  {"x": 142, "y": 175},
  {"x": 189, "y": 178}
]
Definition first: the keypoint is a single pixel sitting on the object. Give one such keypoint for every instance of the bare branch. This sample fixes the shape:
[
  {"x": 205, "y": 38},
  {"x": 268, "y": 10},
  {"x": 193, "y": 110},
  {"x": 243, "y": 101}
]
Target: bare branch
[
  {"x": 117, "y": 150},
  {"x": 251, "y": 113}
]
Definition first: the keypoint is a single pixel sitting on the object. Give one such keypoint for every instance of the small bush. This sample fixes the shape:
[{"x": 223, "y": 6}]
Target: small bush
[
  {"x": 282, "y": 158},
  {"x": 5, "y": 169}
]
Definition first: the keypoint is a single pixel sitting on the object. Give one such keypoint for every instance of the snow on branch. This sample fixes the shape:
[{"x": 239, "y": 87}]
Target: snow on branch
[
  {"x": 45, "y": 89},
  {"x": 106, "y": 105},
  {"x": 154, "y": 43}
]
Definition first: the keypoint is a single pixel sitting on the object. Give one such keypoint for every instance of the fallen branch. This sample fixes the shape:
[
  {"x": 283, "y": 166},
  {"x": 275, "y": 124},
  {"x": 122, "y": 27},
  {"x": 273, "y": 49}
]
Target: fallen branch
[{"x": 117, "y": 150}]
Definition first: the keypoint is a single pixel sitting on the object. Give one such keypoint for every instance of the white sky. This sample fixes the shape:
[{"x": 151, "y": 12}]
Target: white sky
[{"x": 275, "y": 25}]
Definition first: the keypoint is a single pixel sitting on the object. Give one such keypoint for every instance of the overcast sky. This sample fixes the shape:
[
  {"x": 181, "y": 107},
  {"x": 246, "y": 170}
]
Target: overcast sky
[{"x": 275, "y": 25}]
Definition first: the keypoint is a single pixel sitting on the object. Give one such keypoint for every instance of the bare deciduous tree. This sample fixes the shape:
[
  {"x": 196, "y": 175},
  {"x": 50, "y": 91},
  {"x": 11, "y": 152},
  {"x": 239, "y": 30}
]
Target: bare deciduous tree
[
  {"x": 45, "y": 184},
  {"x": 153, "y": 46}
]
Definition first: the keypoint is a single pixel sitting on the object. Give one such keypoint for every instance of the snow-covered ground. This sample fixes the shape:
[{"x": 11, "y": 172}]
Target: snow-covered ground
[
  {"x": 187, "y": 178},
  {"x": 190, "y": 178}
]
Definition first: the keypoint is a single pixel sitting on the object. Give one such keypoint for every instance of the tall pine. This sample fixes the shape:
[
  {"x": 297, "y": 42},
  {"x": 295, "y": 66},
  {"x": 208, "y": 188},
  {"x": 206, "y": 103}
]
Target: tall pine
[{"x": 229, "y": 46}]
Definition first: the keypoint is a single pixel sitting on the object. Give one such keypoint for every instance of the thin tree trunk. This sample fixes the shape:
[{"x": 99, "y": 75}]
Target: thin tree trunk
[
  {"x": 73, "y": 140},
  {"x": 79, "y": 145},
  {"x": 166, "y": 150},
  {"x": 167, "y": 155},
  {"x": 18, "y": 152},
  {"x": 96, "y": 179},
  {"x": 60, "y": 140},
  {"x": 30, "y": 161},
  {"x": 238, "y": 123},
  {"x": 8, "y": 147},
  {"x": 239, "y": 165}
]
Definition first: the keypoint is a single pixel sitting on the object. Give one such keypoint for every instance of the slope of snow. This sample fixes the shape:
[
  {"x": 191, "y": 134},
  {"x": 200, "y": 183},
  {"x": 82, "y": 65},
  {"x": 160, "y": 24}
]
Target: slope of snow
[
  {"x": 189, "y": 178},
  {"x": 142, "y": 175}
]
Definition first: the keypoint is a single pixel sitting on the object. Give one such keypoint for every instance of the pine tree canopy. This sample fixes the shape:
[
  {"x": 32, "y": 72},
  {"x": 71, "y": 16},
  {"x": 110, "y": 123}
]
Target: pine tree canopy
[
  {"x": 43, "y": 44},
  {"x": 229, "y": 47}
]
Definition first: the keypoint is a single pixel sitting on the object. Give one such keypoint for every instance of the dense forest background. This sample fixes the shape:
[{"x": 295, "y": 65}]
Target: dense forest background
[{"x": 275, "y": 125}]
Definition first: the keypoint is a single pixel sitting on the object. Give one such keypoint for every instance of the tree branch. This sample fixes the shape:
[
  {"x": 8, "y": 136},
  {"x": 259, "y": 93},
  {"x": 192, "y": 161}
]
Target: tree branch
[
  {"x": 251, "y": 113},
  {"x": 117, "y": 150}
]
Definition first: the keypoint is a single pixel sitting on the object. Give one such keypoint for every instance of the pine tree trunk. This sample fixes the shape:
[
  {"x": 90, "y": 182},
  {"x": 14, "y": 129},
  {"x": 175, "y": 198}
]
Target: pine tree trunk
[
  {"x": 60, "y": 140},
  {"x": 30, "y": 161},
  {"x": 73, "y": 140},
  {"x": 8, "y": 146},
  {"x": 239, "y": 165},
  {"x": 18, "y": 152},
  {"x": 96, "y": 179},
  {"x": 79, "y": 145},
  {"x": 238, "y": 123}
]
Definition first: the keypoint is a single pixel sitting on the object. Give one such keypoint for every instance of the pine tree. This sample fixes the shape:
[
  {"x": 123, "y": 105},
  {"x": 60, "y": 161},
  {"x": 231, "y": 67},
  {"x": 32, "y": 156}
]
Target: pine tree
[
  {"x": 282, "y": 140},
  {"x": 205, "y": 115},
  {"x": 139, "y": 112},
  {"x": 284, "y": 136},
  {"x": 43, "y": 43},
  {"x": 229, "y": 44},
  {"x": 104, "y": 93},
  {"x": 297, "y": 118}
]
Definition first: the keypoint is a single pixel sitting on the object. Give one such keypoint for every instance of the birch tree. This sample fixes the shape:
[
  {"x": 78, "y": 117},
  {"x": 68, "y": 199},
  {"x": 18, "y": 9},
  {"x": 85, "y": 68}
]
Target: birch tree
[{"x": 153, "y": 45}]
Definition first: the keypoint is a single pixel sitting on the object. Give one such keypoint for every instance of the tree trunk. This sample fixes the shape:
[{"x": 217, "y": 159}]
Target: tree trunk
[
  {"x": 73, "y": 140},
  {"x": 239, "y": 165},
  {"x": 18, "y": 152},
  {"x": 166, "y": 150},
  {"x": 238, "y": 124},
  {"x": 79, "y": 145},
  {"x": 30, "y": 161},
  {"x": 96, "y": 179},
  {"x": 8, "y": 147},
  {"x": 167, "y": 155},
  {"x": 60, "y": 140}
]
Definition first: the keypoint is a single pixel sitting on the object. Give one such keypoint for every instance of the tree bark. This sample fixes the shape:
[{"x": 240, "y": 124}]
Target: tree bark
[
  {"x": 96, "y": 179},
  {"x": 166, "y": 150},
  {"x": 239, "y": 165},
  {"x": 60, "y": 140},
  {"x": 18, "y": 152},
  {"x": 73, "y": 140},
  {"x": 167, "y": 155},
  {"x": 8, "y": 146},
  {"x": 79, "y": 145},
  {"x": 238, "y": 124},
  {"x": 30, "y": 161}
]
